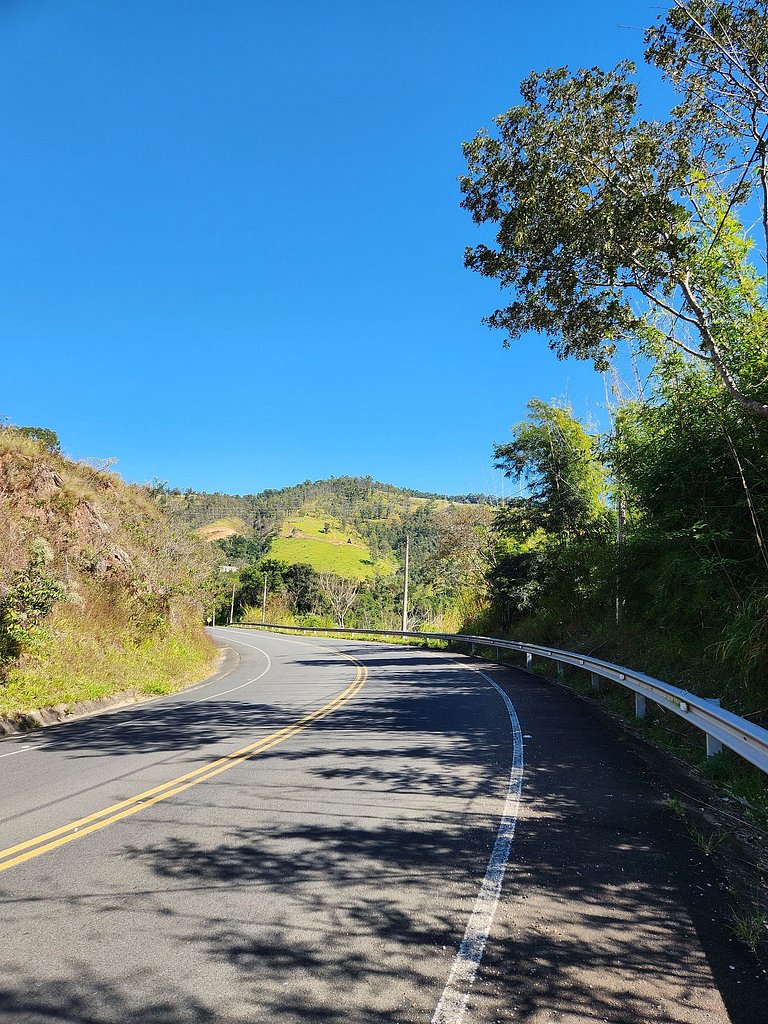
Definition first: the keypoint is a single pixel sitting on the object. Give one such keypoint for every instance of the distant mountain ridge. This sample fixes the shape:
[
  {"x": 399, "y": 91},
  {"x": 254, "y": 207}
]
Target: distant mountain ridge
[
  {"x": 352, "y": 526},
  {"x": 199, "y": 508}
]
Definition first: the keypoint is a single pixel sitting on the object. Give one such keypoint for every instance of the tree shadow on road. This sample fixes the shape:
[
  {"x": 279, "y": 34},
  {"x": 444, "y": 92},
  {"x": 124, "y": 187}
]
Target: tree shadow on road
[{"x": 342, "y": 892}]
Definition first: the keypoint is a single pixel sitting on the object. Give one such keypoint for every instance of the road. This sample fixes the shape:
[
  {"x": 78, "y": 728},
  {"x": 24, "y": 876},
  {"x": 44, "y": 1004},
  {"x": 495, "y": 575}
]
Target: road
[{"x": 312, "y": 834}]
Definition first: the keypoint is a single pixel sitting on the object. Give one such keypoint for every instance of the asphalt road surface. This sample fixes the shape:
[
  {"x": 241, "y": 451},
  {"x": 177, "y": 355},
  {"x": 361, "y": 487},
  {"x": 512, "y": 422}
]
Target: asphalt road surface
[{"x": 321, "y": 832}]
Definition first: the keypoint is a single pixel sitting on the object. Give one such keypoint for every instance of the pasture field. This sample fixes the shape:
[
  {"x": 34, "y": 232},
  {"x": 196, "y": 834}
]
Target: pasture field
[
  {"x": 343, "y": 559},
  {"x": 316, "y": 538},
  {"x": 313, "y": 524}
]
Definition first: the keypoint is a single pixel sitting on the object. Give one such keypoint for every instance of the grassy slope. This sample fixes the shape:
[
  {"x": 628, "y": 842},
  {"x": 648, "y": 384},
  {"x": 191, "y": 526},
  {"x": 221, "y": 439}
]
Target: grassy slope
[
  {"x": 220, "y": 529},
  {"x": 79, "y": 664},
  {"x": 131, "y": 619},
  {"x": 302, "y": 539},
  {"x": 413, "y": 502}
]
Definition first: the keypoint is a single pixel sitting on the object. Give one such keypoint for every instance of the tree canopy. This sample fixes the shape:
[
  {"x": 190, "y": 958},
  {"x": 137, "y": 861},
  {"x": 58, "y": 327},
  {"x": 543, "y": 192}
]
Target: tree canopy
[
  {"x": 613, "y": 227},
  {"x": 552, "y": 453}
]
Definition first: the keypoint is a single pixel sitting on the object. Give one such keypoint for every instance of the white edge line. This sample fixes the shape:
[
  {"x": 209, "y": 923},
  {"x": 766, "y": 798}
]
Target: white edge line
[
  {"x": 453, "y": 1002},
  {"x": 177, "y": 704},
  {"x": 218, "y": 693},
  {"x": 21, "y": 750}
]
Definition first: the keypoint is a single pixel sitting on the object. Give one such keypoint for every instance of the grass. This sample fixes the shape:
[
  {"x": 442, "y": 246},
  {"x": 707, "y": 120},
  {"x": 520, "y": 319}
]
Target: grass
[
  {"x": 331, "y": 632},
  {"x": 676, "y": 806},
  {"x": 313, "y": 525},
  {"x": 342, "y": 559},
  {"x": 410, "y": 501},
  {"x": 222, "y": 528},
  {"x": 751, "y": 927},
  {"x": 131, "y": 620},
  {"x": 706, "y": 842},
  {"x": 82, "y": 657},
  {"x": 304, "y": 538}
]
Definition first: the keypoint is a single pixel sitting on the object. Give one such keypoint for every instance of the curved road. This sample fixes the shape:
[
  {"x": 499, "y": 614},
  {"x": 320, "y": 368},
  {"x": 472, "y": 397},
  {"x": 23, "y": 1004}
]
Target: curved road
[{"x": 313, "y": 833}]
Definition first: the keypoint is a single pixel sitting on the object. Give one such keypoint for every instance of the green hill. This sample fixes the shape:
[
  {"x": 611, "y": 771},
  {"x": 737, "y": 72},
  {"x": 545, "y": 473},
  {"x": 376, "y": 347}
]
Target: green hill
[
  {"x": 352, "y": 526},
  {"x": 317, "y": 538}
]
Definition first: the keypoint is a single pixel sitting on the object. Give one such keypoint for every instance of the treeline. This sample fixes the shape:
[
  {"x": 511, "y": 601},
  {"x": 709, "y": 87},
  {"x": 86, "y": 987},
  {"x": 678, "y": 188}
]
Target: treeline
[
  {"x": 381, "y": 514},
  {"x": 352, "y": 499}
]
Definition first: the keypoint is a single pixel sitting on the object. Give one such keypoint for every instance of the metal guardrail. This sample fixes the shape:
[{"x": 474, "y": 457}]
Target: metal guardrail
[{"x": 721, "y": 727}]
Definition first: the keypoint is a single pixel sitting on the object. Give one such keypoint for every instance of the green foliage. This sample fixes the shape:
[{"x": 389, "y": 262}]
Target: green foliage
[
  {"x": 610, "y": 227},
  {"x": 695, "y": 478},
  {"x": 554, "y": 456},
  {"x": 577, "y": 186},
  {"x": 243, "y": 549},
  {"x": 750, "y": 927},
  {"x": 745, "y": 642},
  {"x": 298, "y": 585},
  {"x": 26, "y": 602},
  {"x": 343, "y": 559},
  {"x": 648, "y": 543},
  {"x": 687, "y": 576},
  {"x": 49, "y": 439},
  {"x": 347, "y": 498}
]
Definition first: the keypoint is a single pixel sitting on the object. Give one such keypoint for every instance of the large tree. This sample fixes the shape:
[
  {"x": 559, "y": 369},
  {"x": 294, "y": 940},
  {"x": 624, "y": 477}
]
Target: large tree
[
  {"x": 612, "y": 227},
  {"x": 554, "y": 456}
]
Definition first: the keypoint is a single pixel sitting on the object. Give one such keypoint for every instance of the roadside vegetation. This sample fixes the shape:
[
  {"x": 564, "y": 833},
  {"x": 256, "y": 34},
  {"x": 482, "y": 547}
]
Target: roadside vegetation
[
  {"x": 641, "y": 245},
  {"x": 99, "y": 592},
  {"x": 318, "y": 573}
]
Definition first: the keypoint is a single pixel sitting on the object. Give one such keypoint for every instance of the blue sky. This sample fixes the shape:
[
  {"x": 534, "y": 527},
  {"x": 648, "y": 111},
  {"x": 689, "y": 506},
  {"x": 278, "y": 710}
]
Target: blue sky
[{"x": 232, "y": 244}]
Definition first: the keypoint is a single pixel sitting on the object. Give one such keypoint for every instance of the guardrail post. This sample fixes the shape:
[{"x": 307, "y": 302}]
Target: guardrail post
[
  {"x": 746, "y": 739},
  {"x": 560, "y": 670},
  {"x": 713, "y": 746}
]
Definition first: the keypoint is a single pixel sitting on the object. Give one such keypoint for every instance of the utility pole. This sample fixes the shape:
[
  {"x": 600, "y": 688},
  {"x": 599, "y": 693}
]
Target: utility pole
[
  {"x": 232, "y": 605},
  {"x": 405, "y": 587},
  {"x": 264, "y": 602}
]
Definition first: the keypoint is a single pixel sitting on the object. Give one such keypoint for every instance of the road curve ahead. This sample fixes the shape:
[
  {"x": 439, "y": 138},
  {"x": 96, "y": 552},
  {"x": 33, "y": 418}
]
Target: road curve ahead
[{"x": 320, "y": 833}]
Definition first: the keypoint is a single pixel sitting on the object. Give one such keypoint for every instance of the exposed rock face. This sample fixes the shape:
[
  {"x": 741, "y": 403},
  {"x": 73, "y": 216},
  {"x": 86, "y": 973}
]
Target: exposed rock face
[
  {"x": 114, "y": 561},
  {"x": 23, "y": 478},
  {"x": 108, "y": 541},
  {"x": 89, "y": 524},
  {"x": 76, "y": 527},
  {"x": 45, "y": 483},
  {"x": 92, "y": 530}
]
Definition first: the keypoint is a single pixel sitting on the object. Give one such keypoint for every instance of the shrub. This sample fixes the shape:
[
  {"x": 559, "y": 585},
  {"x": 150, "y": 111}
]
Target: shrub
[{"x": 32, "y": 593}]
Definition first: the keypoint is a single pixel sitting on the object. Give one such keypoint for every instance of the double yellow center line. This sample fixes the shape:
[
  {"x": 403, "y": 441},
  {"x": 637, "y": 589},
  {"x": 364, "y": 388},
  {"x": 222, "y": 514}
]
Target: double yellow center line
[{"x": 124, "y": 808}]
